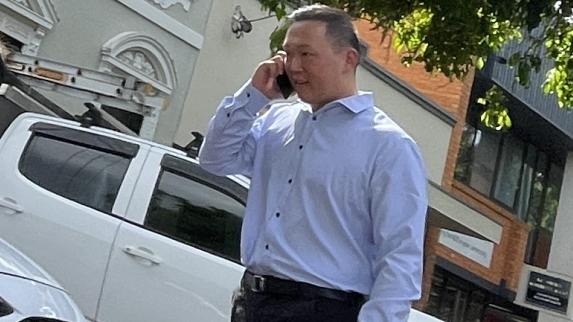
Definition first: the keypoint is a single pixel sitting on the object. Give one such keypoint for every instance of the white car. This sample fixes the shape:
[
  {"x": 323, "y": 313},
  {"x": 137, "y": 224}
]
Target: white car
[
  {"x": 136, "y": 231},
  {"x": 27, "y": 291}
]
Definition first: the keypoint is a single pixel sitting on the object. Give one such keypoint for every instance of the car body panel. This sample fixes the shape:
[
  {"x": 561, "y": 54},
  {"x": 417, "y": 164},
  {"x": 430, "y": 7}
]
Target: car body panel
[
  {"x": 185, "y": 282},
  {"x": 70, "y": 240},
  {"x": 31, "y": 291}
]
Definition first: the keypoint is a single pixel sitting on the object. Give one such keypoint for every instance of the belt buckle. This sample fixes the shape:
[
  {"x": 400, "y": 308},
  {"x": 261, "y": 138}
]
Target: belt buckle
[{"x": 258, "y": 284}]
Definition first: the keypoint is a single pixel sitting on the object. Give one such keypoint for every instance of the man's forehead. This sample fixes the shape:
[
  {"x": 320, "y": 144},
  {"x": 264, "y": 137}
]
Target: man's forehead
[{"x": 301, "y": 33}]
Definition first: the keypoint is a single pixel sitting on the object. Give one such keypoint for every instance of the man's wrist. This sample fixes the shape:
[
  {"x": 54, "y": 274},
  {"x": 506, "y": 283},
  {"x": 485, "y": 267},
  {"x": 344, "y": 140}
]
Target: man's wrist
[{"x": 251, "y": 98}]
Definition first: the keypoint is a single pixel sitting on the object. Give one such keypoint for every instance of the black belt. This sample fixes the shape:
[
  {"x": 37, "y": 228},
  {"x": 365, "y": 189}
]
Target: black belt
[{"x": 274, "y": 285}]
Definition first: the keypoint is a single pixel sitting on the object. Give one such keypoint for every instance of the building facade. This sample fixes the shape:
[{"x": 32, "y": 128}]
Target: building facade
[
  {"x": 517, "y": 178},
  {"x": 132, "y": 58}
]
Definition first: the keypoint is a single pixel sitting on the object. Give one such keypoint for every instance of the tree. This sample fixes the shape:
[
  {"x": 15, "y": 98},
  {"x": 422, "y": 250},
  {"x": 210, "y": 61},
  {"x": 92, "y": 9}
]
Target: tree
[{"x": 454, "y": 36}]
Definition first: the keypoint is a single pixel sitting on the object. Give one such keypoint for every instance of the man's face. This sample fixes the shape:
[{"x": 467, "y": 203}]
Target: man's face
[{"x": 317, "y": 69}]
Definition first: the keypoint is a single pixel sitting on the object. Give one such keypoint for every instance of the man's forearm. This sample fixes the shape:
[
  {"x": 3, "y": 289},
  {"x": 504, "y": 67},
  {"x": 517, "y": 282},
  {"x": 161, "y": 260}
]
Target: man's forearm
[{"x": 229, "y": 145}]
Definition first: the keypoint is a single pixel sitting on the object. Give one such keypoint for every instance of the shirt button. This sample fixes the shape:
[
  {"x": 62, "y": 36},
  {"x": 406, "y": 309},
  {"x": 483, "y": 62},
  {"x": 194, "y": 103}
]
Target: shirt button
[
  {"x": 267, "y": 246},
  {"x": 300, "y": 147},
  {"x": 248, "y": 94},
  {"x": 278, "y": 214},
  {"x": 289, "y": 180},
  {"x": 314, "y": 118},
  {"x": 228, "y": 114}
]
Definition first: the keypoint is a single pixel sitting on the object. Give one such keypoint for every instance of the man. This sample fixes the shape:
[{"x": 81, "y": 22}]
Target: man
[{"x": 334, "y": 225}]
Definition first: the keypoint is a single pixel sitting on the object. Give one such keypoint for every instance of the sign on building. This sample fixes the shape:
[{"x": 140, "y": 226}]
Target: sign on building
[
  {"x": 476, "y": 249},
  {"x": 548, "y": 292}
]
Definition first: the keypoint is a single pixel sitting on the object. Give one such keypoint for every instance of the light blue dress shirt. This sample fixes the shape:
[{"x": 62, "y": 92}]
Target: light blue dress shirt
[{"x": 337, "y": 197}]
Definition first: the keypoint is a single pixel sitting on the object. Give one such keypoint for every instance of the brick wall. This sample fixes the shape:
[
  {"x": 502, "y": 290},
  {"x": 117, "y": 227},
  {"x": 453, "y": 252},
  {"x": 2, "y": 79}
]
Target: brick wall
[{"x": 452, "y": 95}]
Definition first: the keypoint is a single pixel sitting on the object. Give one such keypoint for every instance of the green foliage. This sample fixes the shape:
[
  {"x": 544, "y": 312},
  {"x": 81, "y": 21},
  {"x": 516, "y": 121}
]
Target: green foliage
[
  {"x": 496, "y": 114},
  {"x": 454, "y": 36},
  {"x": 559, "y": 43}
]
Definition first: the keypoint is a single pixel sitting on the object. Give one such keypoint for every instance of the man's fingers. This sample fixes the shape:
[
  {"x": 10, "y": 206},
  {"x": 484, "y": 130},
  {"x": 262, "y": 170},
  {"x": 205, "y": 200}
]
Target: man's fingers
[
  {"x": 279, "y": 61},
  {"x": 264, "y": 78}
]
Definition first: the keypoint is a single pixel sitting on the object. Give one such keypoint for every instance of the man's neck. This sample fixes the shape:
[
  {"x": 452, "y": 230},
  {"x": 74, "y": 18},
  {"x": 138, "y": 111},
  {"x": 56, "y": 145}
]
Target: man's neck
[{"x": 316, "y": 107}]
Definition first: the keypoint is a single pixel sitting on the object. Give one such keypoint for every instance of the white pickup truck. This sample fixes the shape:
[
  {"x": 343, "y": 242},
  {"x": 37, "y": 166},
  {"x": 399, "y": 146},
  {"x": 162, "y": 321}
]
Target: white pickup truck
[{"x": 135, "y": 231}]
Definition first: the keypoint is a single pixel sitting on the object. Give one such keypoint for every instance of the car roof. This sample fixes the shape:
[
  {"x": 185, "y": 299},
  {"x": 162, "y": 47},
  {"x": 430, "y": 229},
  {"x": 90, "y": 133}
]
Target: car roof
[{"x": 238, "y": 178}]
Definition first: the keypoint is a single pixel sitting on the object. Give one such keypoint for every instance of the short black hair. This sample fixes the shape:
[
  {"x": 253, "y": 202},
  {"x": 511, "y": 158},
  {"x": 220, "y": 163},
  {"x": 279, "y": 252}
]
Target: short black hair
[{"x": 339, "y": 27}]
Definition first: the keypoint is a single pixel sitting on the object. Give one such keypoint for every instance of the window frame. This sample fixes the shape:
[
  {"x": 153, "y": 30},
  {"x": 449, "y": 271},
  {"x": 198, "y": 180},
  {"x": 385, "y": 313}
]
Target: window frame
[
  {"x": 194, "y": 172},
  {"x": 83, "y": 139},
  {"x": 551, "y": 160}
]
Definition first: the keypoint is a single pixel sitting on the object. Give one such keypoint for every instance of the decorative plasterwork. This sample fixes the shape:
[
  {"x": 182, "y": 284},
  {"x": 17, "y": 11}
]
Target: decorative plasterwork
[
  {"x": 41, "y": 12},
  {"x": 142, "y": 57},
  {"x": 163, "y": 20},
  {"x": 168, "y": 3},
  {"x": 39, "y": 17}
]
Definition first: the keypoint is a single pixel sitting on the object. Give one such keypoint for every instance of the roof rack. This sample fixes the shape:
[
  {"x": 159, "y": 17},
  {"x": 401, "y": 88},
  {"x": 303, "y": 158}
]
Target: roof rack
[{"x": 192, "y": 148}]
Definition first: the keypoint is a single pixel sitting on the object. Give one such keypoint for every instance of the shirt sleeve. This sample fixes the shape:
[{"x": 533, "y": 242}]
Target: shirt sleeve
[
  {"x": 230, "y": 144},
  {"x": 398, "y": 208}
]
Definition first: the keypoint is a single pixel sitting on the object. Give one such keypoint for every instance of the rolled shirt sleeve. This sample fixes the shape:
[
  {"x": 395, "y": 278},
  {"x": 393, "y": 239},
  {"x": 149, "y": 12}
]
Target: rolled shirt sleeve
[{"x": 398, "y": 209}]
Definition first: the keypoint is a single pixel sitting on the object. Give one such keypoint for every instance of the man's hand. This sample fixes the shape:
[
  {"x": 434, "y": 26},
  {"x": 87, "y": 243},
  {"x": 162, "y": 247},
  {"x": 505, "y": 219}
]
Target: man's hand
[{"x": 264, "y": 77}]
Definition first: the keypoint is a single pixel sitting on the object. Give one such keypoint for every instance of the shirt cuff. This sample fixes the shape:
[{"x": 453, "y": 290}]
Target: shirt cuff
[{"x": 250, "y": 97}]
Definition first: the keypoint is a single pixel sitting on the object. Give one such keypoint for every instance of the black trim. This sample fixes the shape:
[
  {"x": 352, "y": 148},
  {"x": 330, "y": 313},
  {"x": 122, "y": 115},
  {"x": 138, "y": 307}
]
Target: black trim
[
  {"x": 498, "y": 290},
  {"x": 402, "y": 87},
  {"x": 195, "y": 172},
  {"x": 87, "y": 139}
]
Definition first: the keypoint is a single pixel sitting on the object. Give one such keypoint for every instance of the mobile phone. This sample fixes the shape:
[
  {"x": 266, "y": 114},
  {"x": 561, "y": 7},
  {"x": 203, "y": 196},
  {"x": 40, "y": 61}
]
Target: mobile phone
[{"x": 284, "y": 85}]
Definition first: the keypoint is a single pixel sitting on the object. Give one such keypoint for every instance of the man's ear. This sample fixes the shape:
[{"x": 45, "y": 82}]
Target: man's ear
[{"x": 352, "y": 59}]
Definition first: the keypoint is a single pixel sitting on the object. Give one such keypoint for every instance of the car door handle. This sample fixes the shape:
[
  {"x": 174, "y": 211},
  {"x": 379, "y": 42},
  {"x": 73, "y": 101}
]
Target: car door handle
[
  {"x": 142, "y": 253},
  {"x": 10, "y": 204}
]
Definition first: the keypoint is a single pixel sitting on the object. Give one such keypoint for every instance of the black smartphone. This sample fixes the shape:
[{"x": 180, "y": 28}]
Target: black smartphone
[{"x": 284, "y": 85}]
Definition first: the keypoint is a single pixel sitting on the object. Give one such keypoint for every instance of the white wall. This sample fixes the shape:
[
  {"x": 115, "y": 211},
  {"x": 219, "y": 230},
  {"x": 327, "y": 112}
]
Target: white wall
[
  {"x": 561, "y": 254},
  {"x": 224, "y": 63}
]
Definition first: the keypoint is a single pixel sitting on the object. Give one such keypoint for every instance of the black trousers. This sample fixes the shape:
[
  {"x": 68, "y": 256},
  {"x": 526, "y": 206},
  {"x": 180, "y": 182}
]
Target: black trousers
[{"x": 251, "y": 306}]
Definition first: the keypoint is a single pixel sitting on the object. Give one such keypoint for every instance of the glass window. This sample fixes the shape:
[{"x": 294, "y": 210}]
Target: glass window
[
  {"x": 537, "y": 188},
  {"x": 526, "y": 182},
  {"x": 453, "y": 299},
  {"x": 551, "y": 202},
  {"x": 463, "y": 168},
  {"x": 88, "y": 176},
  {"x": 486, "y": 146},
  {"x": 509, "y": 171},
  {"x": 196, "y": 214}
]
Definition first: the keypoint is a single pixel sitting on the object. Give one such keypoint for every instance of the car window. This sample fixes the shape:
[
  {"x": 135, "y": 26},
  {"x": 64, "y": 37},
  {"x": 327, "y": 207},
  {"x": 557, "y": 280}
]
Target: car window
[
  {"x": 191, "y": 211},
  {"x": 87, "y": 175}
]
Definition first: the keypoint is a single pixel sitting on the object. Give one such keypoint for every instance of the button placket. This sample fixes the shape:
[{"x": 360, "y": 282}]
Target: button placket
[{"x": 295, "y": 164}]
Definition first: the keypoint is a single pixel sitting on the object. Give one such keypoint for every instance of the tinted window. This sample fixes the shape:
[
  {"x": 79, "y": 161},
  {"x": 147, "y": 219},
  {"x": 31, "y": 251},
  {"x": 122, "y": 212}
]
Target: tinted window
[
  {"x": 86, "y": 175},
  {"x": 196, "y": 214}
]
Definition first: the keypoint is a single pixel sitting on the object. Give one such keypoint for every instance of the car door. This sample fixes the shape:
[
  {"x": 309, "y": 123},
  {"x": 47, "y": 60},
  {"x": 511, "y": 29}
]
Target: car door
[
  {"x": 176, "y": 259},
  {"x": 63, "y": 192}
]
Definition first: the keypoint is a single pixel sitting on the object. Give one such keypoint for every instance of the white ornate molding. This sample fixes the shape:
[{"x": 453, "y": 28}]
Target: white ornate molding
[
  {"x": 168, "y": 3},
  {"x": 40, "y": 12},
  {"x": 142, "y": 57},
  {"x": 37, "y": 18},
  {"x": 163, "y": 20}
]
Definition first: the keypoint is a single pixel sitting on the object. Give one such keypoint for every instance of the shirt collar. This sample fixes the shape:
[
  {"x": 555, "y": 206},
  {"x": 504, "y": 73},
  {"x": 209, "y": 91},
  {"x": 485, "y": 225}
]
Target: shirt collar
[{"x": 355, "y": 103}]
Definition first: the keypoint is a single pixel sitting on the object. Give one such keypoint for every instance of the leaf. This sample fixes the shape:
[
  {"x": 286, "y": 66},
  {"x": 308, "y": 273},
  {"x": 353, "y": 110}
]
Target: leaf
[{"x": 480, "y": 63}]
